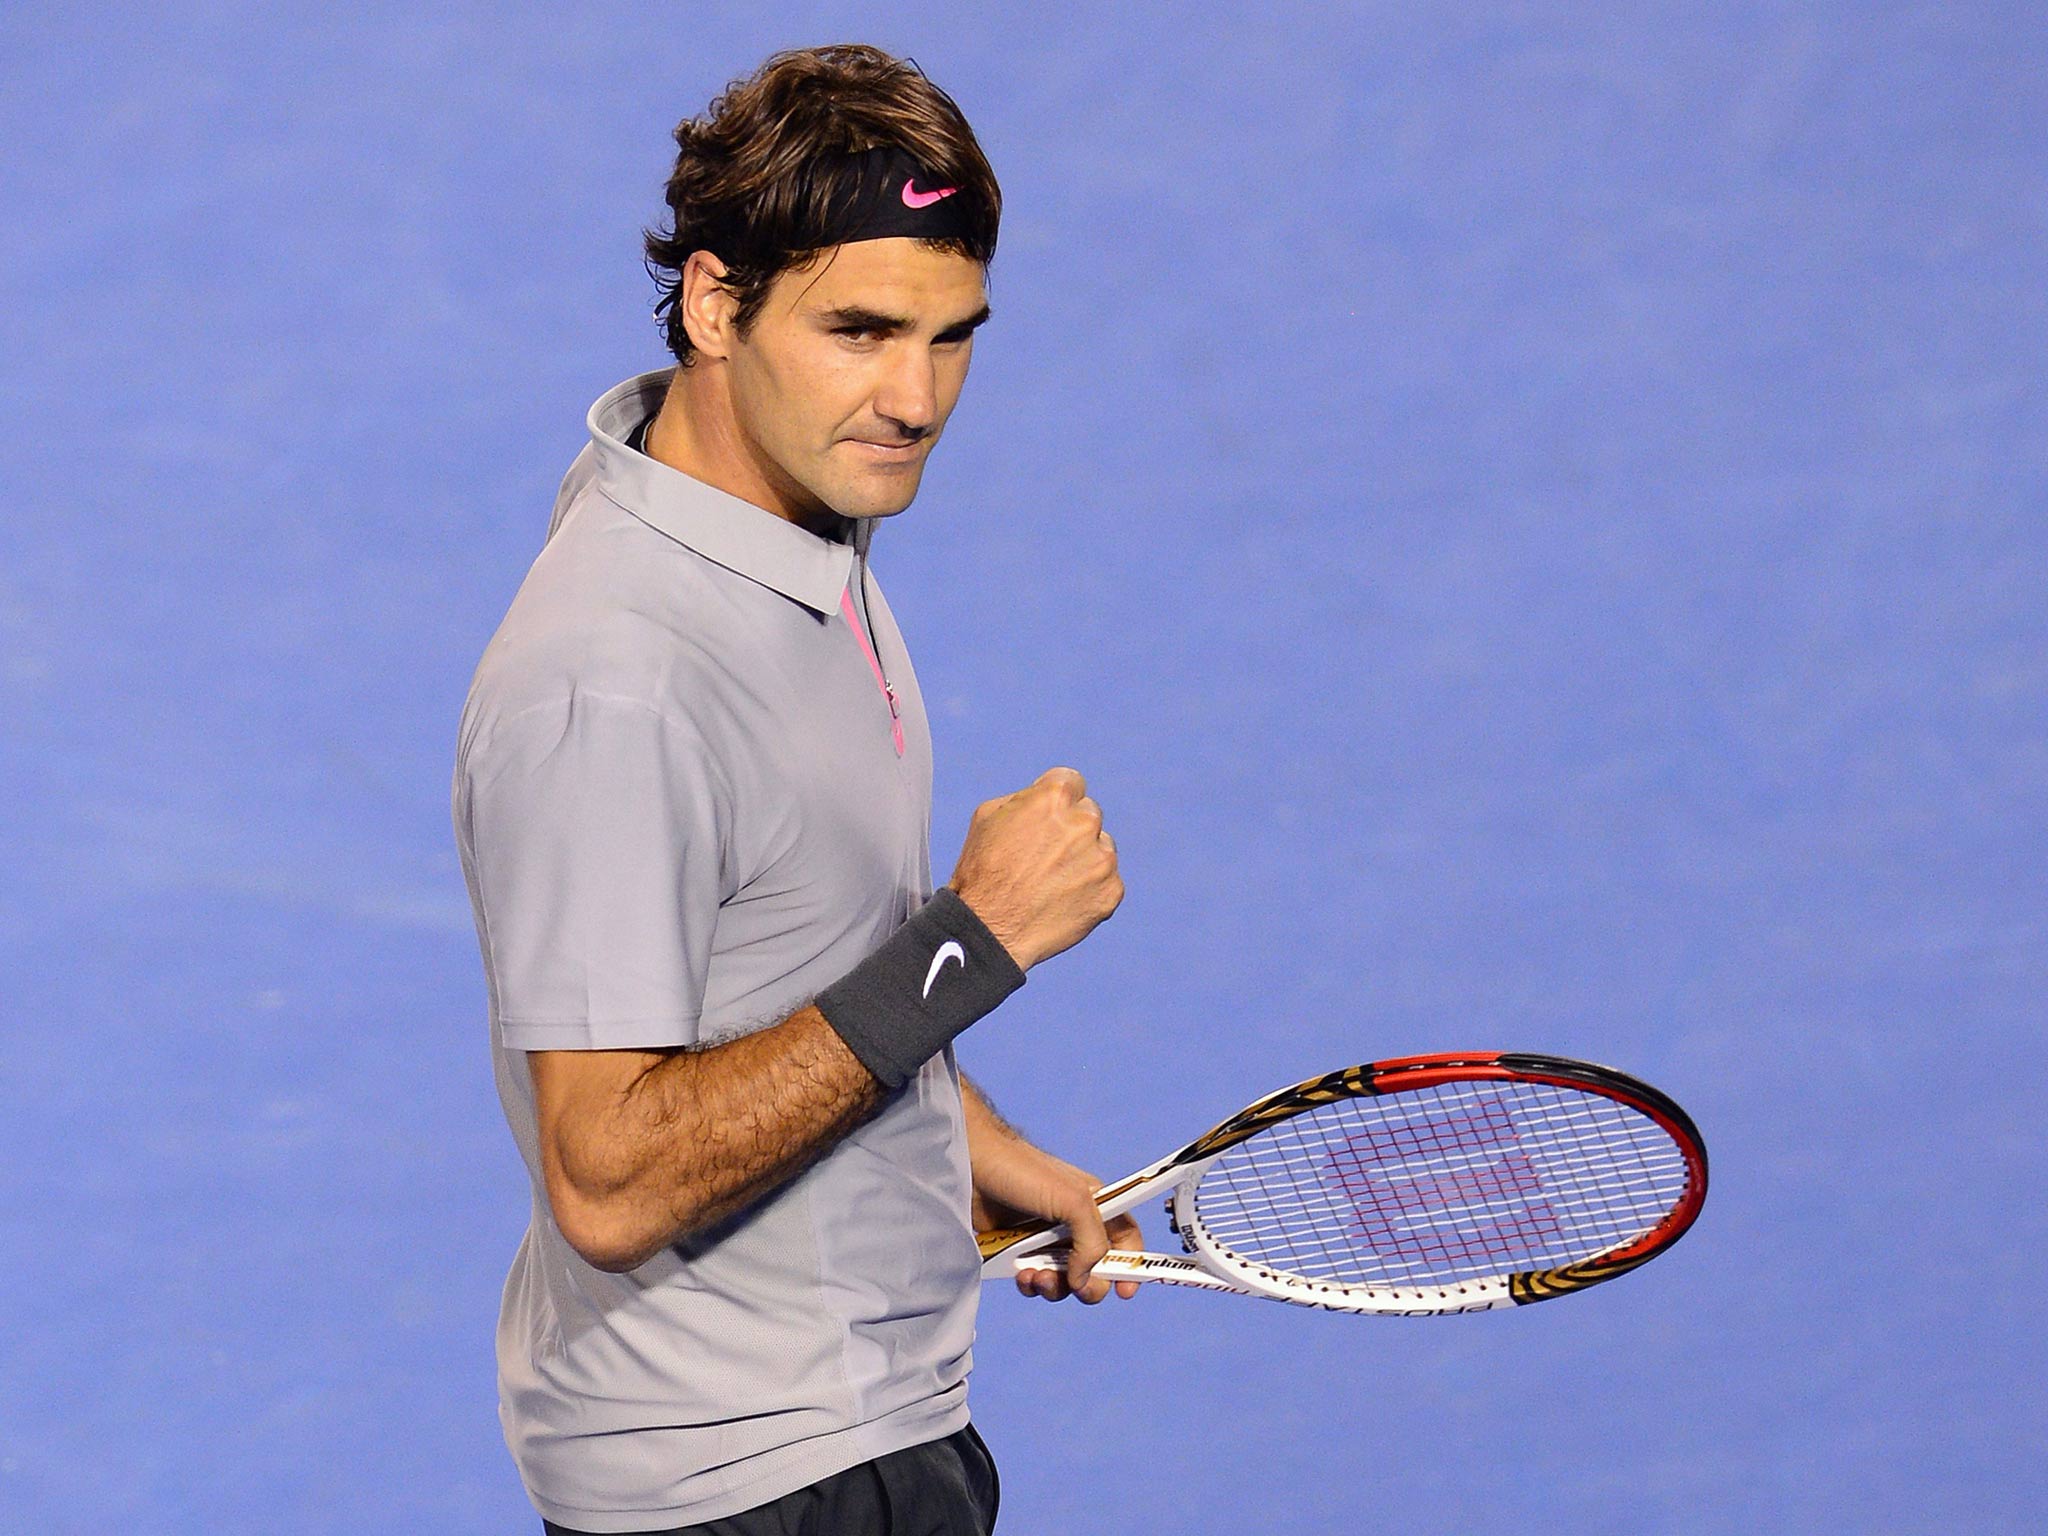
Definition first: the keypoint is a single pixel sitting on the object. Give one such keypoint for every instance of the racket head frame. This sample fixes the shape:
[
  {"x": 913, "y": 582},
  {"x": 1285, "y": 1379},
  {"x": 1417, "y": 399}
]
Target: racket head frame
[{"x": 1212, "y": 1265}]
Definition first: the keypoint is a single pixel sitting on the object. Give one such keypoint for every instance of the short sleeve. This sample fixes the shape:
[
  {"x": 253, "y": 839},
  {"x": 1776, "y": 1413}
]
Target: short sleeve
[{"x": 597, "y": 859}]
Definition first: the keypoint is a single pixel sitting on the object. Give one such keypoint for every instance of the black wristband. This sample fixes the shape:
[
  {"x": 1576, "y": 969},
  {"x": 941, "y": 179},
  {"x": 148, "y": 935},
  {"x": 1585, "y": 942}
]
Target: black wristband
[{"x": 931, "y": 978}]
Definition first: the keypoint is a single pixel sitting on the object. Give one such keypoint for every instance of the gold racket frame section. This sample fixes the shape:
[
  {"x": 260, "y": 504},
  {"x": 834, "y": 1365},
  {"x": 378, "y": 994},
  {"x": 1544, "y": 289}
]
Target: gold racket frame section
[{"x": 1544, "y": 1284}]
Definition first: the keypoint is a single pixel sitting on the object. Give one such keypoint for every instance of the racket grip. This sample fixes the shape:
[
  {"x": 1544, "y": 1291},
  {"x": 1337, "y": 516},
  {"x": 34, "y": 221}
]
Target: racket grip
[{"x": 1121, "y": 1264}]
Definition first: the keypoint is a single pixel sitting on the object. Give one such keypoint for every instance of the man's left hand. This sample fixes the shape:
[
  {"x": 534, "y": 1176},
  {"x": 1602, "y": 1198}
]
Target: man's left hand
[{"x": 1017, "y": 1181}]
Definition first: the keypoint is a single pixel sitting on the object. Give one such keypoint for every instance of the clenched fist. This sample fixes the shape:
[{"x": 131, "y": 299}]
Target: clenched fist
[{"x": 1038, "y": 869}]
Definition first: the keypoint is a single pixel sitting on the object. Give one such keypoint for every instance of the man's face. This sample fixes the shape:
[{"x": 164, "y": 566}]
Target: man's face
[{"x": 845, "y": 380}]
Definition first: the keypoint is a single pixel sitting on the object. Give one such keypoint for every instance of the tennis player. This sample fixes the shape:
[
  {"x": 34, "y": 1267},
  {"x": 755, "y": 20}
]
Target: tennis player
[{"x": 693, "y": 798}]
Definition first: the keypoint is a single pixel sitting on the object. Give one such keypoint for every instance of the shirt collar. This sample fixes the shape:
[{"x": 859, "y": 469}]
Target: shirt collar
[{"x": 748, "y": 540}]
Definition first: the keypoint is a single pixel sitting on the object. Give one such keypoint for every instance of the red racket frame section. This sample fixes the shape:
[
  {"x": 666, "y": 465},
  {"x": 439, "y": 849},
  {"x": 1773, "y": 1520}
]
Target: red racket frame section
[{"x": 1407, "y": 1074}]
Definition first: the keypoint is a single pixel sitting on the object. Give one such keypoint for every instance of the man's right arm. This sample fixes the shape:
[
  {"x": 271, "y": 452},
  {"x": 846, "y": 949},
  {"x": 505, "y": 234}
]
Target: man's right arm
[{"x": 639, "y": 1148}]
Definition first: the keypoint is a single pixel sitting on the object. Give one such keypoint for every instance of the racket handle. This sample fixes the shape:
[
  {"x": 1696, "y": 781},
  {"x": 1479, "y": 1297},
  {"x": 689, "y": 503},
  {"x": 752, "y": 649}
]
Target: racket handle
[{"x": 1117, "y": 1264}]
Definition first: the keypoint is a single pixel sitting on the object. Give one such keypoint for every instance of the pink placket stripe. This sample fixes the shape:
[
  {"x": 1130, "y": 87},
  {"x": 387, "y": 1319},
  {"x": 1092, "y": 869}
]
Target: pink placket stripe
[{"x": 875, "y": 665}]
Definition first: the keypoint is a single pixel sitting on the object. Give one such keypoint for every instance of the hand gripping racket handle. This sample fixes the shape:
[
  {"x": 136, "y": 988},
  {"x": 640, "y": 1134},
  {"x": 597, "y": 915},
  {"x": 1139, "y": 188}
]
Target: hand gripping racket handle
[{"x": 1004, "y": 1250}]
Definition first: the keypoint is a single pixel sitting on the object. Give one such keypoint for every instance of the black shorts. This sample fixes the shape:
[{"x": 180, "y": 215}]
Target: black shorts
[{"x": 946, "y": 1488}]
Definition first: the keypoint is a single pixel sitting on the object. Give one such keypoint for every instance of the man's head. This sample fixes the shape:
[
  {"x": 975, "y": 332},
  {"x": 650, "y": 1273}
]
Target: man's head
[{"x": 833, "y": 219}]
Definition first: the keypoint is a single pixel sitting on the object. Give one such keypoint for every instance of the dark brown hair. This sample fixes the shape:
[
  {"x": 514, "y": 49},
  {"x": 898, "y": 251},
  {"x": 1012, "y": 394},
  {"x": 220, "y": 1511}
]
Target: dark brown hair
[{"x": 771, "y": 170}]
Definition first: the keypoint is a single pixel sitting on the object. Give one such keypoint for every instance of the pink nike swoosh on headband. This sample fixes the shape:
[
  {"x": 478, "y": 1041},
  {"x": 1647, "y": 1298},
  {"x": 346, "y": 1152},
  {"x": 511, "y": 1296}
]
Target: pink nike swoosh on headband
[{"x": 912, "y": 198}]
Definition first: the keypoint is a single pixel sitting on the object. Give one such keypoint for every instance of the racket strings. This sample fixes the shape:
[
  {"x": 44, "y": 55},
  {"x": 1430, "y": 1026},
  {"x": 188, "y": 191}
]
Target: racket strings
[{"x": 1432, "y": 1186}]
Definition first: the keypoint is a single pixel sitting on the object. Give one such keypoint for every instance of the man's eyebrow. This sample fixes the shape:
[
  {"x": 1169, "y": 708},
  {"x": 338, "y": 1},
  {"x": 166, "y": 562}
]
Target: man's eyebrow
[
  {"x": 969, "y": 325},
  {"x": 855, "y": 317}
]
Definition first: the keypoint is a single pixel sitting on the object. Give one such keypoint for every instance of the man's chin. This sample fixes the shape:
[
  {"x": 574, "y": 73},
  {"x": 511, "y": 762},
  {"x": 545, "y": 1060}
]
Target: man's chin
[{"x": 877, "y": 498}]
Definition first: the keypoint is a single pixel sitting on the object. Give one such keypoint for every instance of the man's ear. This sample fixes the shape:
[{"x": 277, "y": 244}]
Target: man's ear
[{"x": 707, "y": 306}]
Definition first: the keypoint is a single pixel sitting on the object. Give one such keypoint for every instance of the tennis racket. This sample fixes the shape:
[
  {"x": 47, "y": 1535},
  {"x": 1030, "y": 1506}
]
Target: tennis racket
[{"x": 1422, "y": 1185}]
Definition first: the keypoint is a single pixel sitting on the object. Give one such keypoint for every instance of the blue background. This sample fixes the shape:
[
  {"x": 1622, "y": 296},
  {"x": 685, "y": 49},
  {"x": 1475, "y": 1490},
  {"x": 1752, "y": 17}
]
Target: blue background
[{"x": 1529, "y": 516}]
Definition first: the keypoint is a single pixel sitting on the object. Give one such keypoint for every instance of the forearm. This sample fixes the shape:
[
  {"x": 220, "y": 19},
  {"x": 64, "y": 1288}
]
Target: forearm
[
  {"x": 1010, "y": 1172},
  {"x": 640, "y": 1149},
  {"x": 698, "y": 1134},
  {"x": 984, "y": 1123},
  {"x": 993, "y": 1149},
  {"x": 1016, "y": 1183}
]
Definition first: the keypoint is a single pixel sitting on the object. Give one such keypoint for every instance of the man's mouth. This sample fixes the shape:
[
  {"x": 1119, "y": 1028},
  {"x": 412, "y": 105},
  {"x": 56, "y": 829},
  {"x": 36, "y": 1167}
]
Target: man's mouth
[{"x": 888, "y": 453}]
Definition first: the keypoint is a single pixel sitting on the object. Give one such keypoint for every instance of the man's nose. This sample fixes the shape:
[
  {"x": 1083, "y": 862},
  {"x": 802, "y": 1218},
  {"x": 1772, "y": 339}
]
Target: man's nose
[{"x": 909, "y": 392}]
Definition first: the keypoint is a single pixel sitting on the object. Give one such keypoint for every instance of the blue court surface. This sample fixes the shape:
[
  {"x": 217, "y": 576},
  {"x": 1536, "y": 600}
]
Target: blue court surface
[{"x": 1529, "y": 516}]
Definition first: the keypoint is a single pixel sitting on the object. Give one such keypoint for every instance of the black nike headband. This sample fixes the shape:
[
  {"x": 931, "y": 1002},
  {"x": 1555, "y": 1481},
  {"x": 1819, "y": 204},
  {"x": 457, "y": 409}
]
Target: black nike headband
[{"x": 898, "y": 198}]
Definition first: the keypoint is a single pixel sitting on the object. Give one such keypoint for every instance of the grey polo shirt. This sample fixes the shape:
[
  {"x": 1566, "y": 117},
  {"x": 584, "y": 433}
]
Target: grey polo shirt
[{"x": 687, "y": 801}]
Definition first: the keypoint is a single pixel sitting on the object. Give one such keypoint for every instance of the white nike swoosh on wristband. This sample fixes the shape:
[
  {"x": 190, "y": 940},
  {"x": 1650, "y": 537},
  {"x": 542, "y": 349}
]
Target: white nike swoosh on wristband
[{"x": 950, "y": 950}]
